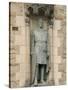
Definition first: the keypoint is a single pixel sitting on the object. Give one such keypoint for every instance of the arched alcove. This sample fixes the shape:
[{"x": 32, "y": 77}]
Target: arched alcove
[{"x": 33, "y": 13}]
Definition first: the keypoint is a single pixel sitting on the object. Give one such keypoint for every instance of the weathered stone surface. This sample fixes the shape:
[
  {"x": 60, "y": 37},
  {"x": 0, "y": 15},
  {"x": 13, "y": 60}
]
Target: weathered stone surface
[
  {"x": 12, "y": 20},
  {"x": 20, "y": 31},
  {"x": 57, "y": 76},
  {"x": 51, "y": 83},
  {"x": 20, "y": 21},
  {"x": 16, "y": 8},
  {"x": 60, "y": 33},
  {"x": 59, "y": 12},
  {"x": 59, "y": 30},
  {"x": 58, "y": 59},
  {"x": 64, "y": 76},
  {"x": 60, "y": 51},
  {"x": 15, "y": 84},
  {"x": 20, "y": 39},
  {"x": 22, "y": 68},
  {"x": 15, "y": 28},
  {"x": 62, "y": 82},
  {"x": 62, "y": 67},
  {"x": 20, "y": 46},
  {"x": 15, "y": 50},
  {"x": 15, "y": 68},
  {"x": 13, "y": 61},
  {"x": 57, "y": 25},
  {"x": 13, "y": 77}
]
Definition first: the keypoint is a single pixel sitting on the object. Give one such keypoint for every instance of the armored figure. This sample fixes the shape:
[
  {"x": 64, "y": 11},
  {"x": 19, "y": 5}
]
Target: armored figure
[{"x": 40, "y": 50}]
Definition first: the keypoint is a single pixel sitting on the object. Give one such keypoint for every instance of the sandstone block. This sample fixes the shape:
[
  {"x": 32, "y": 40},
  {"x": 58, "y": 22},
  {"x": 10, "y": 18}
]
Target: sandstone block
[
  {"x": 62, "y": 67},
  {"x": 16, "y": 8},
  {"x": 15, "y": 84},
  {"x": 60, "y": 12},
  {"x": 20, "y": 21},
  {"x": 15, "y": 68}
]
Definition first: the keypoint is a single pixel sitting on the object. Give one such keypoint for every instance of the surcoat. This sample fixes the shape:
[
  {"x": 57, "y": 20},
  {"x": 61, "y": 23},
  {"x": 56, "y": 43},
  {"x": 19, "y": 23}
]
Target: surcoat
[{"x": 39, "y": 46}]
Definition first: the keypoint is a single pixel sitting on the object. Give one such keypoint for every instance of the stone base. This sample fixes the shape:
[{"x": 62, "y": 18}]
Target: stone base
[{"x": 40, "y": 84}]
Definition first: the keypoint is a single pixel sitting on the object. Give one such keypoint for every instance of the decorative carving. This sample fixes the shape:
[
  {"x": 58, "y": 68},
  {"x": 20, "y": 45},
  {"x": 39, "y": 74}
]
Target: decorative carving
[{"x": 41, "y": 10}]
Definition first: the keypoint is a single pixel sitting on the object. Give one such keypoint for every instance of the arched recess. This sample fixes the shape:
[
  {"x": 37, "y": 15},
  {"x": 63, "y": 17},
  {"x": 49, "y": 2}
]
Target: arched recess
[{"x": 32, "y": 16}]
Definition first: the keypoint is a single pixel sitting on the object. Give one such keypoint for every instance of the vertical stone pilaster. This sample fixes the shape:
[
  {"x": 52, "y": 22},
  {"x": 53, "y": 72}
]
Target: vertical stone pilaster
[
  {"x": 17, "y": 45},
  {"x": 58, "y": 45},
  {"x": 51, "y": 63}
]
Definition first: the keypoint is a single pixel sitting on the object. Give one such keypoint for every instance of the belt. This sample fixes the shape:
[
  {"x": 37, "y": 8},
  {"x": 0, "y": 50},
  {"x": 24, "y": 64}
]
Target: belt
[{"x": 41, "y": 41}]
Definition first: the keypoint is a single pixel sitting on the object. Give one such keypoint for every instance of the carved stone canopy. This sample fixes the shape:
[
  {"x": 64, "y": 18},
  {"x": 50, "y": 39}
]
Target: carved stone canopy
[{"x": 40, "y": 10}]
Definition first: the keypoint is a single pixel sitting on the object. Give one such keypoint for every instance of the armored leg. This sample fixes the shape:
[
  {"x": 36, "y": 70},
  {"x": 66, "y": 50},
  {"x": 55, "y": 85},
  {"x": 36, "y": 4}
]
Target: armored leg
[
  {"x": 42, "y": 73},
  {"x": 45, "y": 73},
  {"x": 36, "y": 76}
]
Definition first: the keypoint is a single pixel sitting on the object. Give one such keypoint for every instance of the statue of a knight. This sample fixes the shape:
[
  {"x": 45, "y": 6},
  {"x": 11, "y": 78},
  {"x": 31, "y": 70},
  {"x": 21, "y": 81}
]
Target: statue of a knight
[{"x": 39, "y": 49}]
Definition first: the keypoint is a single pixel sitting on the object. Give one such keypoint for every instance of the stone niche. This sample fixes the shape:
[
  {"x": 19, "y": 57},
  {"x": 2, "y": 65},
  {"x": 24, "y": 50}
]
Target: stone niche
[{"x": 33, "y": 13}]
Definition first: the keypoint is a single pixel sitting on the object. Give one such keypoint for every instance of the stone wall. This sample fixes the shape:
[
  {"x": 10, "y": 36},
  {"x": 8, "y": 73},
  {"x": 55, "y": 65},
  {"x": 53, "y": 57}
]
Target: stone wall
[
  {"x": 59, "y": 41},
  {"x": 19, "y": 63},
  {"x": 19, "y": 47}
]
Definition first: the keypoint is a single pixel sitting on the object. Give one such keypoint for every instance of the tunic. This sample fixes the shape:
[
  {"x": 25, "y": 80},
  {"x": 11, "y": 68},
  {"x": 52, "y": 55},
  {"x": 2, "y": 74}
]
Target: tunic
[{"x": 40, "y": 46}]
